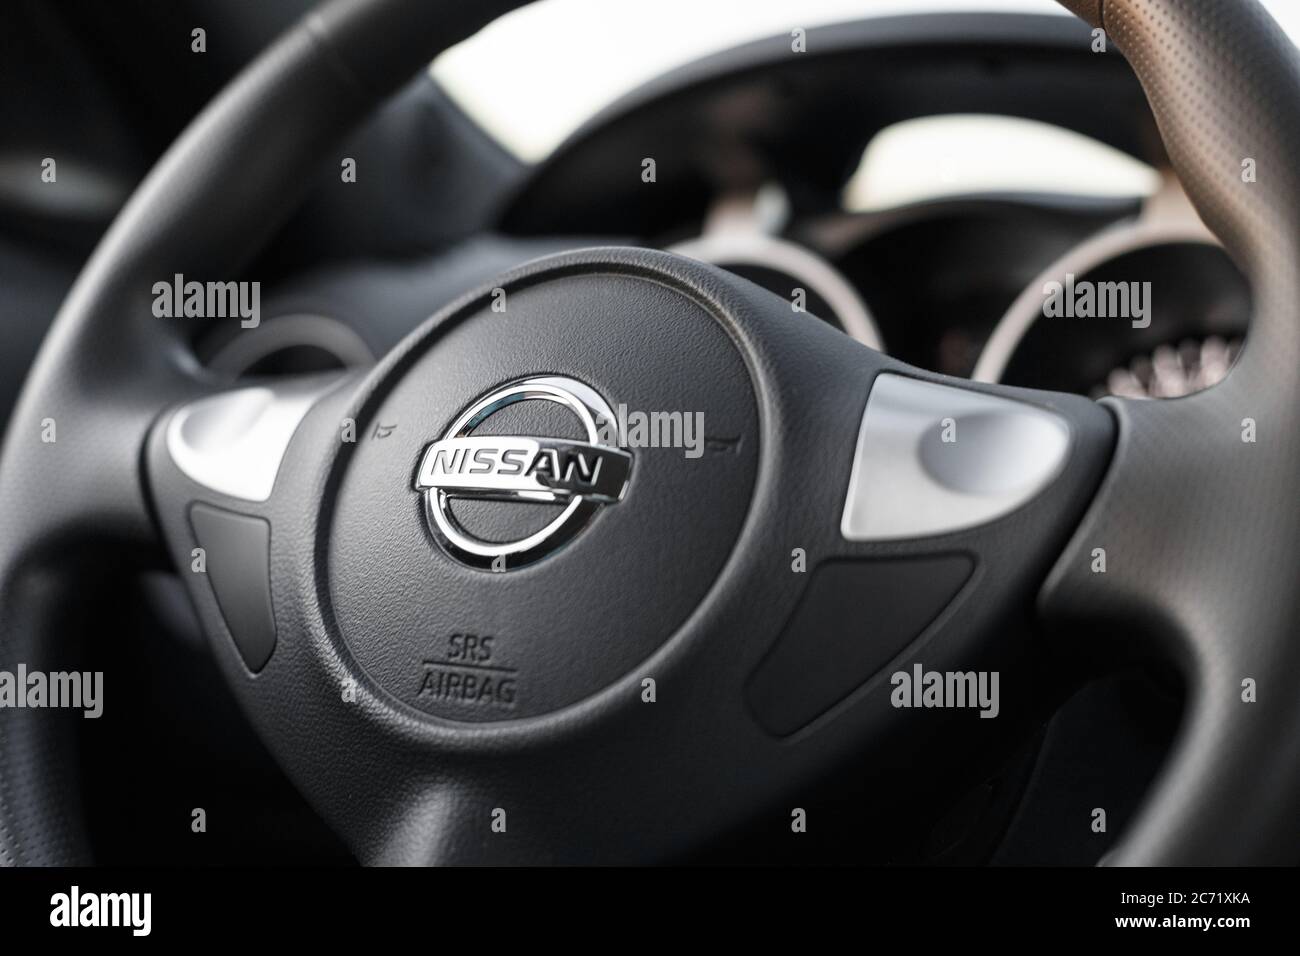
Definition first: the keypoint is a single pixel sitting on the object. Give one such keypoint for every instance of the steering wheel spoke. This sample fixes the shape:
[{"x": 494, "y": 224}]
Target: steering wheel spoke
[{"x": 221, "y": 477}]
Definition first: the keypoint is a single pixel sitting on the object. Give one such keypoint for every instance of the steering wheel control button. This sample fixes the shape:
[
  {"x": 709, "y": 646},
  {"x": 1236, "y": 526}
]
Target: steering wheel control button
[
  {"x": 535, "y": 468},
  {"x": 514, "y": 547},
  {"x": 854, "y": 618},
  {"x": 932, "y": 459},
  {"x": 238, "y": 556}
]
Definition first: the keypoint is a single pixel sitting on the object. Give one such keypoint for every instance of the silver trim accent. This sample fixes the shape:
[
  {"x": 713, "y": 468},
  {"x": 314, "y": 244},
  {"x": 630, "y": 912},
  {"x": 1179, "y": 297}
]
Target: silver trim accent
[
  {"x": 237, "y": 356},
  {"x": 1167, "y": 218},
  {"x": 726, "y": 249},
  {"x": 907, "y": 482},
  {"x": 740, "y": 230},
  {"x": 755, "y": 249},
  {"x": 233, "y": 443}
]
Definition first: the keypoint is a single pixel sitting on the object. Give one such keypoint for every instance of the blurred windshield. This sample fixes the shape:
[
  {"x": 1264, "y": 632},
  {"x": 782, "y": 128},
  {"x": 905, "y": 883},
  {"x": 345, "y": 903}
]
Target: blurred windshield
[{"x": 535, "y": 75}]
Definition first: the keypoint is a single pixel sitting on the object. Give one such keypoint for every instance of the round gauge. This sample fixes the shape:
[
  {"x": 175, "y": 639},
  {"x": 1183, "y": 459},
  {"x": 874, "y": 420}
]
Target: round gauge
[
  {"x": 1183, "y": 316},
  {"x": 285, "y": 345},
  {"x": 782, "y": 267}
]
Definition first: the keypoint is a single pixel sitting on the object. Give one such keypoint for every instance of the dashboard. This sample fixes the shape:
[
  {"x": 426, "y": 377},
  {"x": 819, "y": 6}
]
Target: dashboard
[
  {"x": 966, "y": 287},
  {"x": 960, "y": 285},
  {"x": 759, "y": 150}
]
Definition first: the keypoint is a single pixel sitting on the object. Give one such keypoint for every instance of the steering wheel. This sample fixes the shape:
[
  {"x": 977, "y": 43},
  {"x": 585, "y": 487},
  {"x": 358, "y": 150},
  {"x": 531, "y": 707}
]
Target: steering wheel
[{"x": 477, "y": 618}]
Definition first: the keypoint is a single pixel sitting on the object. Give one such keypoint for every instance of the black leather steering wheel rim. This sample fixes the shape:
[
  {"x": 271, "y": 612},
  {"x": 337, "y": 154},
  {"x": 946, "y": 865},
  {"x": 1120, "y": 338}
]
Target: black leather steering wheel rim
[{"x": 1201, "y": 530}]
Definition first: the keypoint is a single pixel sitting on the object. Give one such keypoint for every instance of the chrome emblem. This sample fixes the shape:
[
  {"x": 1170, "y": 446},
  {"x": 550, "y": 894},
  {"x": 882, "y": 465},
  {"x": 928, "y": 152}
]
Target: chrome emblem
[{"x": 580, "y": 475}]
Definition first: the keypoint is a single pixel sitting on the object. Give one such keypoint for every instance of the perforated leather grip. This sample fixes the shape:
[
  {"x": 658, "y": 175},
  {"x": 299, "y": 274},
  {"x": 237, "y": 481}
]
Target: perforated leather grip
[{"x": 1202, "y": 527}]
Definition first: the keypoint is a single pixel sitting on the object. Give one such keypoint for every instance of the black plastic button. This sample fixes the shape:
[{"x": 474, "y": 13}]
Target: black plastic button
[
  {"x": 855, "y": 617},
  {"x": 238, "y": 555}
]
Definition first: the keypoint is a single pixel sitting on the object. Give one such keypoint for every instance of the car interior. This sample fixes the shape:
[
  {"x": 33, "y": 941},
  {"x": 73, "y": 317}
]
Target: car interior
[{"x": 913, "y": 180}]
